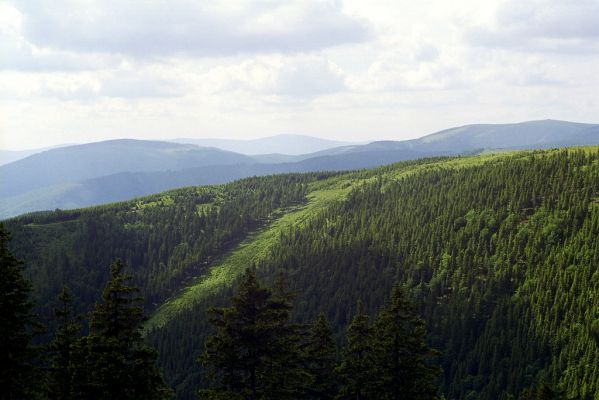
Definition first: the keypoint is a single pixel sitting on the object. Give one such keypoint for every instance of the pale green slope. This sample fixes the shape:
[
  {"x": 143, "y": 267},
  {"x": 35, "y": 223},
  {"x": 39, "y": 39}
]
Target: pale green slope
[{"x": 257, "y": 247}]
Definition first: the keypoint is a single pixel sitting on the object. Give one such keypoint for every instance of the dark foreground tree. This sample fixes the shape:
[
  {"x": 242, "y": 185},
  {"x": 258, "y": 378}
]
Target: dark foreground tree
[
  {"x": 18, "y": 375},
  {"x": 113, "y": 362},
  {"x": 357, "y": 370},
  {"x": 61, "y": 350},
  {"x": 404, "y": 360},
  {"x": 254, "y": 353},
  {"x": 545, "y": 392},
  {"x": 320, "y": 356}
]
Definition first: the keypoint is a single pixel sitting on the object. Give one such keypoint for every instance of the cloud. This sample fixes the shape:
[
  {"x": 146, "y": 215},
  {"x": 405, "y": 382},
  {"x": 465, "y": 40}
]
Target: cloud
[
  {"x": 426, "y": 53},
  {"x": 18, "y": 55},
  {"x": 382, "y": 68},
  {"x": 126, "y": 85},
  {"x": 404, "y": 70},
  {"x": 134, "y": 85},
  {"x": 561, "y": 26},
  {"x": 185, "y": 27},
  {"x": 298, "y": 76}
]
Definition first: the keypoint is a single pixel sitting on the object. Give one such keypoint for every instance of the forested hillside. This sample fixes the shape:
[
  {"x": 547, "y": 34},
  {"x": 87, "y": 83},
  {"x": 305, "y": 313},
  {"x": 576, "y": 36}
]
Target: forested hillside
[
  {"x": 499, "y": 253},
  {"x": 119, "y": 170},
  {"x": 166, "y": 239}
]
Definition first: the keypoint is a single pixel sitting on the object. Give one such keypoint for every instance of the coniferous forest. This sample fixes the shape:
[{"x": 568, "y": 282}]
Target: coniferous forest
[{"x": 457, "y": 278}]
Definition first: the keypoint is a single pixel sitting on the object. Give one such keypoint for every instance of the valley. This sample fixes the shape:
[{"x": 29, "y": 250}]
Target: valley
[{"x": 476, "y": 240}]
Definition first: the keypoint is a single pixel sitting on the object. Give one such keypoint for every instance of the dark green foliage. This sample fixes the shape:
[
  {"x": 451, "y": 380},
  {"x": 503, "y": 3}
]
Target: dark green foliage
[
  {"x": 500, "y": 257},
  {"x": 61, "y": 350},
  {"x": 254, "y": 353},
  {"x": 18, "y": 374},
  {"x": 113, "y": 362},
  {"x": 388, "y": 360},
  {"x": 358, "y": 368},
  {"x": 165, "y": 239},
  {"x": 320, "y": 355},
  {"x": 544, "y": 392},
  {"x": 403, "y": 359}
]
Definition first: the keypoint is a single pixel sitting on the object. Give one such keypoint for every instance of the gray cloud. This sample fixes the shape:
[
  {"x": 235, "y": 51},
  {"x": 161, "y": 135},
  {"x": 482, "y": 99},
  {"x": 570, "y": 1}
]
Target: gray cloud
[
  {"x": 308, "y": 79},
  {"x": 563, "y": 26},
  {"x": 18, "y": 55},
  {"x": 302, "y": 76},
  {"x": 426, "y": 53},
  {"x": 132, "y": 85},
  {"x": 166, "y": 28},
  {"x": 126, "y": 85}
]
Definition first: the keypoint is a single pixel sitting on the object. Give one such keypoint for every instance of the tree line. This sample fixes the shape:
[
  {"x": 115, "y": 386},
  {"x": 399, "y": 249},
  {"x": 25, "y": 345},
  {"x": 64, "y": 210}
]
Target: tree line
[
  {"x": 110, "y": 361},
  {"x": 256, "y": 353},
  {"x": 166, "y": 239},
  {"x": 499, "y": 258}
]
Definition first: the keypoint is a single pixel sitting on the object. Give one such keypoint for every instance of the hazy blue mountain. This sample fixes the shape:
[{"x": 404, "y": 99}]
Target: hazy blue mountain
[
  {"x": 469, "y": 138},
  {"x": 125, "y": 186},
  {"x": 119, "y": 170},
  {"x": 279, "y": 144},
  {"x": 8, "y": 156},
  {"x": 524, "y": 135},
  {"x": 76, "y": 163}
]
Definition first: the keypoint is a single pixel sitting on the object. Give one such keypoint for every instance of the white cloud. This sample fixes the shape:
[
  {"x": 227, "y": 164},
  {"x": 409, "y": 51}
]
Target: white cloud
[
  {"x": 542, "y": 25},
  {"x": 131, "y": 84},
  {"x": 297, "y": 76},
  {"x": 201, "y": 29},
  {"x": 345, "y": 69}
]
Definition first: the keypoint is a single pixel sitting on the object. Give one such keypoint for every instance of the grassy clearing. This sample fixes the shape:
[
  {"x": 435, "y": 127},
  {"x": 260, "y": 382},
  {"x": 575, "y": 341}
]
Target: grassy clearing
[
  {"x": 253, "y": 249},
  {"x": 258, "y": 245}
]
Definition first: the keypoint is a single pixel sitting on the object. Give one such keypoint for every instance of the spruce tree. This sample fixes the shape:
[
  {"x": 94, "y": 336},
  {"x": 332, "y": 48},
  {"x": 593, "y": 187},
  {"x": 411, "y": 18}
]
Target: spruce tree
[
  {"x": 402, "y": 355},
  {"x": 254, "y": 353},
  {"x": 113, "y": 362},
  {"x": 68, "y": 331},
  {"x": 357, "y": 370},
  {"x": 284, "y": 373},
  {"x": 320, "y": 353},
  {"x": 18, "y": 374}
]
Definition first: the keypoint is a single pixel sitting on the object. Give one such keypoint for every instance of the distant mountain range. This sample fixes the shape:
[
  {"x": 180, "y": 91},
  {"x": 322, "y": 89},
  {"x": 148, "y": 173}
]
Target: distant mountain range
[
  {"x": 279, "y": 144},
  {"x": 76, "y": 163},
  {"x": 96, "y": 173},
  {"x": 8, "y": 156}
]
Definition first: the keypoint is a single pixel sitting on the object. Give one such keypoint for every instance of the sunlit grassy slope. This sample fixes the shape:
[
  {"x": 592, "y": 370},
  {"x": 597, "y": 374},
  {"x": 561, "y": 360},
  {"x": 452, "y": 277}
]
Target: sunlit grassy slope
[{"x": 224, "y": 273}]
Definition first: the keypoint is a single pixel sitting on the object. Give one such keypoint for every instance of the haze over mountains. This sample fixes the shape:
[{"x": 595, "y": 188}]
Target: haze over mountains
[
  {"x": 8, "y": 156},
  {"x": 96, "y": 173},
  {"x": 80, "y": 162},
  {"x": 279, "y": 144}
]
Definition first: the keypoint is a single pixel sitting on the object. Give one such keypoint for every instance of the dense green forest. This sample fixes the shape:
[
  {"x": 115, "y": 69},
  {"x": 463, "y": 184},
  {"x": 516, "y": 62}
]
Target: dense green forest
[
  {"x": 499, "y": 253},
  {"x": 166, "y": 239}
]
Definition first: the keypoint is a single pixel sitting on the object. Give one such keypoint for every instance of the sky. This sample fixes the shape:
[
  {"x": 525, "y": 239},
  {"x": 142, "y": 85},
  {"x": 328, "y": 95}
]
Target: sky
[{"x": 84, "y": 70}]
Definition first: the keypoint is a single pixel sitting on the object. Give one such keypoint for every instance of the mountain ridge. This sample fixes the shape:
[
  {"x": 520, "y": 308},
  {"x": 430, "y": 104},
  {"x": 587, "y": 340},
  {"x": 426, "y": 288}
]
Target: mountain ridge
[
  {"x": 485, "y": 245},
  {"x": 284, "y": 144},
  {"x": 22, "y": 191}
]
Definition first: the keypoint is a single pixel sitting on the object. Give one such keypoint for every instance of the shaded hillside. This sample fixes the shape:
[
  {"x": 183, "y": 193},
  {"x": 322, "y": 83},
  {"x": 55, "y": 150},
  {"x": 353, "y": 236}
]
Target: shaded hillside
[
  {"x": 499, "y": 251},
  {"x": 80, "y": 176},
  {"x": 166, "y": 239},
  {"x": 8, "y": 156},
  {"x": 72, "y": 164}
]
